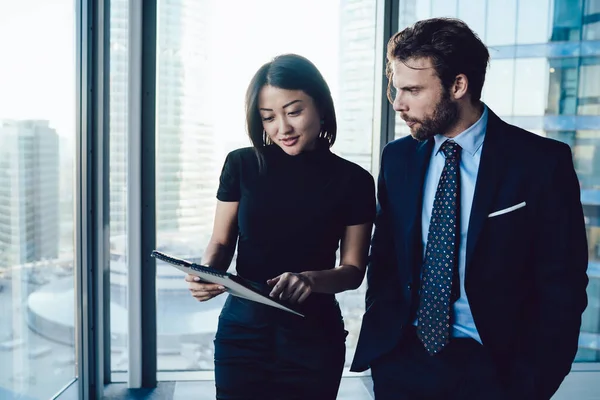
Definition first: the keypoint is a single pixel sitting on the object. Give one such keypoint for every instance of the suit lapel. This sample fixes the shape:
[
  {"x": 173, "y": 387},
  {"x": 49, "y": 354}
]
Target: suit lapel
[
  {"x": 415, "y": 177},
  {"x": 491, "y": 169}
]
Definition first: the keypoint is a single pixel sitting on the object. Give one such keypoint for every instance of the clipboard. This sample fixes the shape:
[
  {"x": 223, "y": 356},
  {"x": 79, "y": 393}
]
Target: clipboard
[{"x": 234, "y": 284}]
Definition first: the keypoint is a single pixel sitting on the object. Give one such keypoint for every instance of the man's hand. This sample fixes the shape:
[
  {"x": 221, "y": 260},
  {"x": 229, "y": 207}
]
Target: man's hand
[{"x": 201, "y": 290}]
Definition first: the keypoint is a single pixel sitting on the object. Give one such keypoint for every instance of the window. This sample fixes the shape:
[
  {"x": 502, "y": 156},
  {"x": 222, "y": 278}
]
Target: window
[
  {"x": 498, "y": 89},
  {"x": 37, "y": 152},
  {"x": 444, "y": 8},
  {"x": 591, "y": 20},
  {"x": 567, "y": 20},
  {"x": 562, "y": 87},
  {"x": 530, "y": 86},
  {"x": 413, "y": 11},
  {"x": 207, "y": 53},
  {"x": 205, "y": 66},
  {"x": 533, "y": 21},
  {"x": 586, "y": 155},
  {"x": 118, "y": 99},
  {"x": 473, "y": 13},
  {"x": 589, "y": 87},
  {"x": 501, "y": 22}
]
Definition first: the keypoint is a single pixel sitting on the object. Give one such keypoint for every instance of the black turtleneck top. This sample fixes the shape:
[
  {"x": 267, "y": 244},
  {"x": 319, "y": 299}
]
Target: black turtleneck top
[{"x": 293, "y": 212}]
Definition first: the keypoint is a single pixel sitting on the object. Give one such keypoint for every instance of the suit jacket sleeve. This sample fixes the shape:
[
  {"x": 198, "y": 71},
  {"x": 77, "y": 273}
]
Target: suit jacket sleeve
[
  {"x": 382, "y": 259},
  {"x": 560, "y": 250}
]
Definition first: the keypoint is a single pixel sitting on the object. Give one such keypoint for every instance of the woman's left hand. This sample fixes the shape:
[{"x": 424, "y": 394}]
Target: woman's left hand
[{"x": 291, "y": 286}]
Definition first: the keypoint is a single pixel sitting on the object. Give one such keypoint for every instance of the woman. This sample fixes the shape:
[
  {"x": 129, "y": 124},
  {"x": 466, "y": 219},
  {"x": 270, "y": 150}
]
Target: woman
[{"x": 288, "y": 203}]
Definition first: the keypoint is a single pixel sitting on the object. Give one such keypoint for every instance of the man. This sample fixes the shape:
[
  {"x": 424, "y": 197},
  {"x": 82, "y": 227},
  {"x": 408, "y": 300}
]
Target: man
[{"x": 477, "y": 277}]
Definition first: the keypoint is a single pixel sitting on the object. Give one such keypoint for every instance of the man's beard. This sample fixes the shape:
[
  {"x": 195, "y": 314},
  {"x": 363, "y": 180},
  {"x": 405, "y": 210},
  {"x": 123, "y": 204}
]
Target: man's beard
[{"x": 444, "y": 117}]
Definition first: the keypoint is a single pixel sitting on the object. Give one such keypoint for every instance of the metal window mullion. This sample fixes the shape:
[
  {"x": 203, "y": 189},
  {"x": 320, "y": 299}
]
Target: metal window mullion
[
  {"x": 81, "y": 326},
  {"x": 141, "y": 205},
  {"x": 102, "y": 198},
  {"x": 91, "y": 207},
  {"x": 383, "y": 115}
]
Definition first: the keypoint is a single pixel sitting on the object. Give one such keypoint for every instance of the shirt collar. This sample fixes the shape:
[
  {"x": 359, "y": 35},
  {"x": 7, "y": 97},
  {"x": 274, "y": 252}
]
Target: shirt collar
[{"x": 469, "y": 140}]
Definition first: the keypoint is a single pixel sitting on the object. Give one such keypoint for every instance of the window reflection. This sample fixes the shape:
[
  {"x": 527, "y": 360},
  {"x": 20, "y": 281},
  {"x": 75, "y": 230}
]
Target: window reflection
[
  {"x": 566, "y": 24},
  {"x": 562, "y": 87},
  {"x": 591, "y": 20},
  {"x": 586, "y": 153},
  {"x": 589, "y": 88}
]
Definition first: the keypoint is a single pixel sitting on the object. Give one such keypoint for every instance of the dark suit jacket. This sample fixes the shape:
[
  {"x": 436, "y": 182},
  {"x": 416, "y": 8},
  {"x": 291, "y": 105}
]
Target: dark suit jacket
[{"x": 525, "y": 270}]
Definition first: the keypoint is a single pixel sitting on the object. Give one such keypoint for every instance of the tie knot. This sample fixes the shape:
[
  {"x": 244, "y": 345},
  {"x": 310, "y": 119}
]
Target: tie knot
[{"x": 451, "y": 149}]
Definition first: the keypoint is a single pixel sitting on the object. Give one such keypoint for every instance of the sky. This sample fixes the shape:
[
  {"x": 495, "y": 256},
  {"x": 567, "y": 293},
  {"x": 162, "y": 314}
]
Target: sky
[
  {"x": 37, "y": 67},
  {"x": 37, "y": 53},
  {"x": 252, "y": 36}
]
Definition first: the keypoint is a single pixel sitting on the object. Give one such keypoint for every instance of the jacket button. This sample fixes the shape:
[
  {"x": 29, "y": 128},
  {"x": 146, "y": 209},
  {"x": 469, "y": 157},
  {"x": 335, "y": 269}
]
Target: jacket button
[{"x": 409, "y": 286}]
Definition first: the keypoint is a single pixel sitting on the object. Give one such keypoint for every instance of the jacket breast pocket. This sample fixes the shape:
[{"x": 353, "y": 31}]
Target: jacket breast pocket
[
  {"x": 507, "y": 210},
  {"x": 507, "y": 234},
  {"x": 506, "y": 222}
]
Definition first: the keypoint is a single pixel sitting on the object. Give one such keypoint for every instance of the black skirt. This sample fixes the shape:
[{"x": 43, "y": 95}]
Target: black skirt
[{"x": 265, "y": 353}]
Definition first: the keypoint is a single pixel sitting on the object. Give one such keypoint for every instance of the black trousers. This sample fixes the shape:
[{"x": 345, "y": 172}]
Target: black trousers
[
  {"x": 463, "y": 370},
  {"x": 265, "y": 353}
]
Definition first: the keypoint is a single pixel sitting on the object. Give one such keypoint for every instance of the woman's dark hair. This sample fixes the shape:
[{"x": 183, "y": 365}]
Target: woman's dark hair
[
  {"x": 290, "y": 72},
  {"x": 452, "y": 47}
]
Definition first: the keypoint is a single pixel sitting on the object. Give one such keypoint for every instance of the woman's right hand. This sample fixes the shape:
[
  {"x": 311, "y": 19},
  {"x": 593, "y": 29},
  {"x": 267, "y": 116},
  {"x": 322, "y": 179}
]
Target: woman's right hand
[{"x": 201, "y": 290}]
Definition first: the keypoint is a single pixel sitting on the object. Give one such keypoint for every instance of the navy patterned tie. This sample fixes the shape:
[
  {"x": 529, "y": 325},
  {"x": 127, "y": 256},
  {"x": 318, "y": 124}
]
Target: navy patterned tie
[{"x": 439, "y": 279}]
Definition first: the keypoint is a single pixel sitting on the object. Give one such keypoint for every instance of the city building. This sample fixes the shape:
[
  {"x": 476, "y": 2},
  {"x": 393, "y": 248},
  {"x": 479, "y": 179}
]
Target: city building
[
  {"x": 357, "y": 76},
  {"x": 29, "y": 192}
]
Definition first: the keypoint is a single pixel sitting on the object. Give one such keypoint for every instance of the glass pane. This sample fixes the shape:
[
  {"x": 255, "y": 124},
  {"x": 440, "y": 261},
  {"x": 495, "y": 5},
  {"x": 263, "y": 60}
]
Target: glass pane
[
  {"x": 200, "y": 118},
  {"x": 400, "y": 128},
  {"x": 533, "y": 23},
  {"x": 444, "y": 8},
  {"x": 499, "y": 86},
  {"x": 586, "y": 153},
  {"x": 562, "y": 86},
  {"x": 473, "y": 13},
  {"x": 119, "y": 66},
  {"x": 591, "y": 20},
  {"x": 589, "y": 89},
  {"x": 567, "y": 20},
  {"x": 587, "y": 161},
  {"x": 37, "y": 152},
  {"x": 501, "y": 22},
  {"x": 530, "y": 86},
  {"x": 411, "y": 11}
]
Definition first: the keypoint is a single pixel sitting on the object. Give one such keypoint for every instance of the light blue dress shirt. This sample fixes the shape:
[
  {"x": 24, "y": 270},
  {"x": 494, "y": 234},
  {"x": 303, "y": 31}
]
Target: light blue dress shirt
[{"x": 471, "y": 142}]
